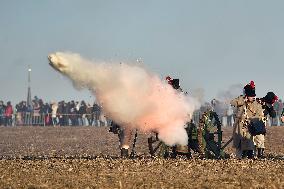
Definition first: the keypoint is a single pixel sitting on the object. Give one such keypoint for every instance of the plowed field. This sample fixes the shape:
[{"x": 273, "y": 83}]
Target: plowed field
[{"x": 88, "y": 157}]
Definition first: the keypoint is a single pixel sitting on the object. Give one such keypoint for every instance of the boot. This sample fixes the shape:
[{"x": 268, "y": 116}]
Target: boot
[
  {"x": 244, "y": 154},
  {"x": 260, "y": 153},
  {"x": 250, "y": 154},
  {"x": 124, "y": 152},
  {"x": 174, "y": 152}
]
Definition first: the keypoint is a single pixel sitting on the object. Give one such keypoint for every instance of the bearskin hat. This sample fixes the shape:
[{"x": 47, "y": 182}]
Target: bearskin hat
[
  {"x": 249, "y": 89},
  {"x": 270, "y": 98}
]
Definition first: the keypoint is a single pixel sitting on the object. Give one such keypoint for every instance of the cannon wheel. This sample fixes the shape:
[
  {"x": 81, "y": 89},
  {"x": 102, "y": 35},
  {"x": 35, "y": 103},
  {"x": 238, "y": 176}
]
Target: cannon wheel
[
  {"x": 157, "y": 148},
  {"x": 208, "y": 143},
  {"x": 210, "y": 136}
]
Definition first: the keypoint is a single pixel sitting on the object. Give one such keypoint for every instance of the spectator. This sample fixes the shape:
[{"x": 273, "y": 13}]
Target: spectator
[
  {"x": 282, "y": 116},
  {"x": 82, "y": 113},
  {"x": 2, "y": 113},
  {"x": 47, "y": 114},
  {"x": 19, "y": 111},
  {"x": 54, "y": 108},
  {"x": 97, "y": 114},
  {"x": 8, "y": 114},
  {"x": 73, "y": 113},
  {"x": 90, "y": 114},
  {"x": 60, "y": 111},
  {"x": 278, "y": 106},
  {"x": 66, "y": 111},
  {"x": 25, "y": 110},
  {"x": 36, "y": 113}
]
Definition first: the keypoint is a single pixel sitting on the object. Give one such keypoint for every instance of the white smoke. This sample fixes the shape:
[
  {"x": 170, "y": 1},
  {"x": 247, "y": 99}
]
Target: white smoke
[
  {"x": 230, "y": 93},
  {"x": 130, "y": 95},
  {"x": 224, "y": 97}
]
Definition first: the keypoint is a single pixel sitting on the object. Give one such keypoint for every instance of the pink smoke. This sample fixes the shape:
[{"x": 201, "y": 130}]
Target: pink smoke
[{"x": 132, "y": 96}]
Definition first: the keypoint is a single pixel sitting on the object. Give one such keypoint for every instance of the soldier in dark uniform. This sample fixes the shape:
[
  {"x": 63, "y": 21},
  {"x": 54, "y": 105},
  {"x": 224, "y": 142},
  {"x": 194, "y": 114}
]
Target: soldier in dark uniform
[
  {"x": 190, "y": 128},
  {"x": 124, "y": 136},
  {"x": 268, "y": 111}
]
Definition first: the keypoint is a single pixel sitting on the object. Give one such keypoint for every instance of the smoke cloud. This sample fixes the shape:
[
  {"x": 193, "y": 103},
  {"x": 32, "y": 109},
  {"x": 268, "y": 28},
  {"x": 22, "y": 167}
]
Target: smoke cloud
[
  {"x": 232, "y": 92},
  {"x": 224, "y": 97},
  {"x": 130, "y": 95}
]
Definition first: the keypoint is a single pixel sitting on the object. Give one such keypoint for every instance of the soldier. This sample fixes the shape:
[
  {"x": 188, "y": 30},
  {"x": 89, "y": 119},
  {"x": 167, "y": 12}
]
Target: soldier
[
  {"x": 268, "y": 110},
  {"x": 125, "y": 141},
  {"x": 124, "y": 136},
  {"x": 190, "y": 127},
  {"x": 247, "y": 109}
]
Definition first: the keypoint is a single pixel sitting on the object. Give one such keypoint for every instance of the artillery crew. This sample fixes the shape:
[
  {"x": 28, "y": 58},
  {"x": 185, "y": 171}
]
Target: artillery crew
[
  {"x": 251, "y": 119},
  {"x": 247, "y": 110}
]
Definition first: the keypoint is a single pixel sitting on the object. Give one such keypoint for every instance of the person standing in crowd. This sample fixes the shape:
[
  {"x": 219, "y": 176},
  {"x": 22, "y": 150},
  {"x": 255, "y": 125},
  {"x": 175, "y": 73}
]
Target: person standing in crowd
[
  {"x": 282, "y": 116},
  {"x": 47, "y": 114},
  {"x": 269, "y": 112},
  {"x": 97, "y": 114},
  {"x": 90, "y": 114},
  {"x": 60, "y": 113},
  {"x": 54, "y": 107},
  {"x": 247, "y": 109},
  {"x": 43, "y": 112},
  {"x": 66, "y": 113},
  {"x": 8, "y": 114},
  {"x": 2, "y": 113},
  {"x": 73, "y": 114},
  {"x": 82, "y": 113},
  {"x": 24, "y": 111},
  {"x": 278, "y": 107},
  {"x": 36, "y": 112},
  {"x": 19, "y": 113}
]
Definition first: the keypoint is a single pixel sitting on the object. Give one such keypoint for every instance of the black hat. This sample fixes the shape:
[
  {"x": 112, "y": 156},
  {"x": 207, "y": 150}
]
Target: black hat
[
  {"x": 249, "y": 90},
  {"x": 270, "y": 98},
  {"x": 175, "y": 83}
]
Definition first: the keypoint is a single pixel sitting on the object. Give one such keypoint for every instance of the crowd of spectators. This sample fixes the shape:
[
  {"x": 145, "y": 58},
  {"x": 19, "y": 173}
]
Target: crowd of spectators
[
  {"x": 72, "y": 113},
  {"x": 75, "y": 113}
]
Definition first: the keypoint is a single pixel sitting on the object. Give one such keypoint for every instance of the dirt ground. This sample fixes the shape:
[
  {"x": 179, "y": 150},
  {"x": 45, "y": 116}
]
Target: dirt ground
[{"x": 88, "y": 157}]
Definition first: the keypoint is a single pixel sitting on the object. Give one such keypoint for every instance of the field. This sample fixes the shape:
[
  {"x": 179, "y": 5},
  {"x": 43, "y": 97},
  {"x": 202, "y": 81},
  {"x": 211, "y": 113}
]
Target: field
[{"x": 88, "y": 157}]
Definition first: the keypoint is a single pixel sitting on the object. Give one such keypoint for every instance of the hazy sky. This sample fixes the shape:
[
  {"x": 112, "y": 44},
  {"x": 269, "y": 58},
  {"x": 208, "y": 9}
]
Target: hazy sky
[{"x": 210, "y": 45}]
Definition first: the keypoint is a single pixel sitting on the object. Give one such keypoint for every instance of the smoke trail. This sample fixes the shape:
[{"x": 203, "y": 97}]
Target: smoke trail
[
  {"x": 230, "y": 93},
  {"x": 225, "y": 96},
  {"x": 130, "y": 95}
]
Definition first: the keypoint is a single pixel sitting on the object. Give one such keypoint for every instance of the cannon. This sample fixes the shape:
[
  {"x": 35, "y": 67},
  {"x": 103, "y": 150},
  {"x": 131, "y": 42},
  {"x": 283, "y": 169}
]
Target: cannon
[{"x": 204, "y": 139}]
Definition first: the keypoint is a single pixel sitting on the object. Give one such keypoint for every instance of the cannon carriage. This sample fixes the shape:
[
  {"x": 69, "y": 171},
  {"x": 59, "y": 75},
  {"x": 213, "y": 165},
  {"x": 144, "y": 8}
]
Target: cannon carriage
[
  {"x": 204, "y": 140},
  {"x": 204, "y": 136}
]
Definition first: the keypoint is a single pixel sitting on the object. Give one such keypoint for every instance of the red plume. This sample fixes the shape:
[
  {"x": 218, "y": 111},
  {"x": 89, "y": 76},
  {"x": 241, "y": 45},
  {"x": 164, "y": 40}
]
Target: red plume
[
  {"x": 252, "y": 84},
  {"x": 168, "y": 78},
  {"x": 275, "y": 99}
]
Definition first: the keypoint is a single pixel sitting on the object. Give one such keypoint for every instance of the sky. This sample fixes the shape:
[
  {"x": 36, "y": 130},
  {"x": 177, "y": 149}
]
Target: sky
[{"x": 209, "y": 45}]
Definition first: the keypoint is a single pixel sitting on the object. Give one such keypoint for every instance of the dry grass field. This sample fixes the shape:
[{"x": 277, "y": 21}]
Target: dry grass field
[{"x": 88, "y": 157}]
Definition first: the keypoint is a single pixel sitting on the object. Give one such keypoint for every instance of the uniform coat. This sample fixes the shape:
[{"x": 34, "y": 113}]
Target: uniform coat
[{"x": 242, "y": 140}]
